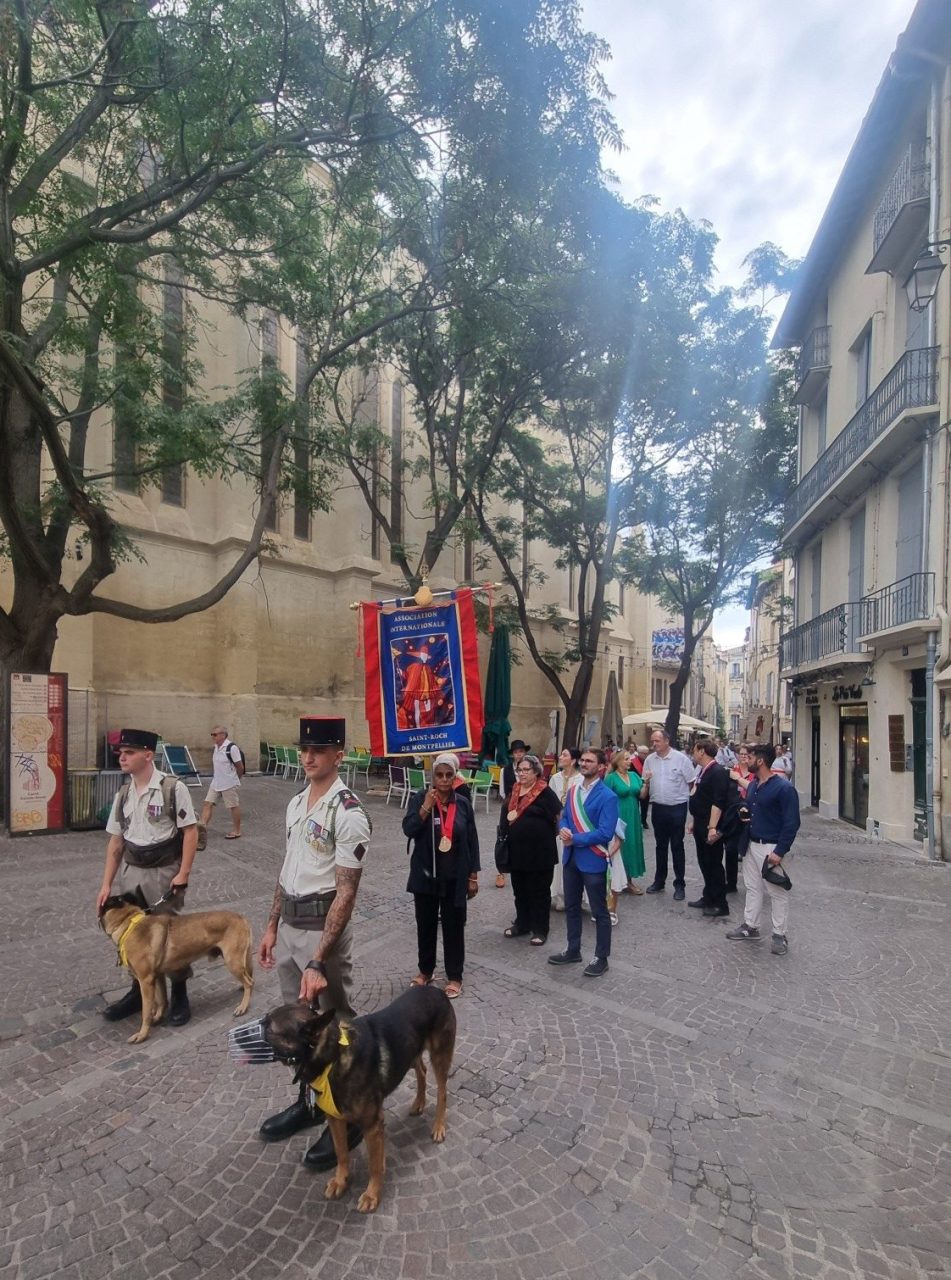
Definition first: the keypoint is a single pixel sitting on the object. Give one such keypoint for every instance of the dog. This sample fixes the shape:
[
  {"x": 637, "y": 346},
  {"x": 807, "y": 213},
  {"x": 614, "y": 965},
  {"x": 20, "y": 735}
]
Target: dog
[
  {"x": 365, "y": 1060},
  {"x": 161, "y": 944}
]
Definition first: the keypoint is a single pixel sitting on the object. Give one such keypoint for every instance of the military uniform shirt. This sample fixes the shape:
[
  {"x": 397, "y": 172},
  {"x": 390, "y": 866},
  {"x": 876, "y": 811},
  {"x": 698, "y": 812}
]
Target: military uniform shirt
[
  {"x": 148, "y": 821},
  {"x": 311, "y": 860}
]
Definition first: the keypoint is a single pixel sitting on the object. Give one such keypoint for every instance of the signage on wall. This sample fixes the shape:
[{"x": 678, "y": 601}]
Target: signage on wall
[
  {"x": 896, "y": 743},
  {"x": 36, "y": 752},
  {"x": 848, "y": 693},
  {"x": 811, "y": 692}
]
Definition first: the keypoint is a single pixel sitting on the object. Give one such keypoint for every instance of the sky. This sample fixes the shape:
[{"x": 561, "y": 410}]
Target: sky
[{"x": 742, "y": 112}]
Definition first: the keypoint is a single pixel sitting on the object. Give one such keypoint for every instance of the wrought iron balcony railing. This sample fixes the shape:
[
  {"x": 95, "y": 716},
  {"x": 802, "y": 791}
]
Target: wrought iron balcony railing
[
  {"x": 831, "y": 633},
  {"x": 910, "y": 183},
  {"x": 911, "y": 383},
  {"x": 909, "y": 600},
  {"x": 814, "y": 353}
]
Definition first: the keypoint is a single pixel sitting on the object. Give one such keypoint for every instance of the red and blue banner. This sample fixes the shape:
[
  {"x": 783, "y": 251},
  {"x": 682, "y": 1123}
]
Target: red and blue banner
[{"x": 422, "y": 677}]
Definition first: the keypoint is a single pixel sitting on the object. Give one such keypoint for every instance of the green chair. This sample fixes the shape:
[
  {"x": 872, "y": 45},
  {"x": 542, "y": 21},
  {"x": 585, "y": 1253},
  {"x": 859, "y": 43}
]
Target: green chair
[
  {"x": 417, "y": 779},
  {"x": 480, "y": 784}
]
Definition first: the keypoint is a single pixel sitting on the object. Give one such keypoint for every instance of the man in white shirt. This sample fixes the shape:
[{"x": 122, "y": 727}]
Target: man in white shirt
[
  {"x": 227, "y": 772},
  {"x": 668, "y": 776},
  {"x": 309, "y": 936},
  {"x": 726, "y": 756}
]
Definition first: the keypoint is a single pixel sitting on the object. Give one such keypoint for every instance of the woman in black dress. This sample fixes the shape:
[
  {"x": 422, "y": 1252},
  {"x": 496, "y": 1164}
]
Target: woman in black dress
[
  {"x": 530, "y": 820},
  {"x": 443, "y": 871}
]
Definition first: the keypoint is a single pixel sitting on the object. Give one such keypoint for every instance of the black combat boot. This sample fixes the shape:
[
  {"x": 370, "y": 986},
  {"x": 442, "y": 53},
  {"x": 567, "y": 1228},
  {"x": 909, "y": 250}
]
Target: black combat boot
[
  {"x": 179, "y": 1010},
  {"x": 299, "y": 1115},
  {"x": 322, "y": 1155},
  {"x": 124, "y": 1007}
]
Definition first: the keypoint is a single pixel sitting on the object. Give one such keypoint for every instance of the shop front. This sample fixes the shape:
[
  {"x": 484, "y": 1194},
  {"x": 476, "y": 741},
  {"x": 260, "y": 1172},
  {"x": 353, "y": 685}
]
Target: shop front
[{"x": 853, "y": 764}]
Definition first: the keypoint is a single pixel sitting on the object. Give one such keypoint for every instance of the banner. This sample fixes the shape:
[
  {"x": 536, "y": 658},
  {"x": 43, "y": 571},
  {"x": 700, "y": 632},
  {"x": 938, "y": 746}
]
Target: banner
[
  {"x": 36, "y": 750},
  {"x": 667, "y": 644},
  {"x": 422, "y": 677}
]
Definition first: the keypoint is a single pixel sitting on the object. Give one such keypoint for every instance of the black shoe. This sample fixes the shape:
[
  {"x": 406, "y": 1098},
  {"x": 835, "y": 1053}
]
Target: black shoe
[
  {"x": 565, "y": 957},
  {"x": 679, "y": 895},
  {"x": 654, "y": 888},
  {"x": 124, "y": 1007},
  {"x": 299, "y": 1115},
  {"x": 179, "y": 1010},
  {"x": 713, "y": 912},
  {"x": 699, "y": 902},
  {"x": 322, "y": 1156},
  {"x": 595, "y": 968}
]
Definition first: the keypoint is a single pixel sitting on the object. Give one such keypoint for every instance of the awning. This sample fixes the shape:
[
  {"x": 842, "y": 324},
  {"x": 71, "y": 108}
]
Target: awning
[{"x": 659, "y": 717}]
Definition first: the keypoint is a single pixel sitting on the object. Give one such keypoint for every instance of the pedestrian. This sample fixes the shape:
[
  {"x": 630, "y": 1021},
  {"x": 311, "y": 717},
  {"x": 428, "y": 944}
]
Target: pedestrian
[
  {"x": 626, "y": 783},
  {"x": 725, "y": 756},
  {"x": 638, "y": 764},
  {"x": 668, "y": 776},
  {"x": 227, "y": 771},
  {"x": 774, "y": 821},
  {"x": 518, "y": 750},
  {"x": 708, "y": 802},
  {"x": 589, "y": 821},
  {"x": 529, "y": 822},
  {"x": 153, "y": 838},
  {"x": 736, "y": 832},
  {"x": 443, "y": 872},
  {"x": 568, "y": 775},
  {"x": 309, "y": 935}
]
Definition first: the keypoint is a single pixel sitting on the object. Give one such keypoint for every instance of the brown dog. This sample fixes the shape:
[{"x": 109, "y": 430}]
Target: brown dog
[
  {"x": 365, "y": 1060},
  {"x": 161, "y": 944}
]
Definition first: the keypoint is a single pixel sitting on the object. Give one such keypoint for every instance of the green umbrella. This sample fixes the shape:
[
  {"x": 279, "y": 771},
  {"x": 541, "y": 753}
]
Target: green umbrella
[{"x": 498, "y": 699}]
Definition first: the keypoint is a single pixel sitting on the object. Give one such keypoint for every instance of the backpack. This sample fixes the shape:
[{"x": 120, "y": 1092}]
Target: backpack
[{"x": 228, "y": 745}]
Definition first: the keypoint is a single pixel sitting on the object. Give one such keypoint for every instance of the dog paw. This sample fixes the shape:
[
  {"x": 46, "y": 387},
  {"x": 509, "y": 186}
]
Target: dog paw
[
  {"x": 417, "y": 1108},
  {"x": 138, "y": 1037},
  {"x": 335, "y": 1188},
  {"x": 439, "y": 1133},
  {"x": 368, "y": 1202}
]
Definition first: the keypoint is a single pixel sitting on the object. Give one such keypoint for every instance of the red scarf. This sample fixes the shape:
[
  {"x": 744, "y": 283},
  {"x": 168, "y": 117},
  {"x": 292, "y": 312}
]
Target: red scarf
[{"x": 521, "y": 801}]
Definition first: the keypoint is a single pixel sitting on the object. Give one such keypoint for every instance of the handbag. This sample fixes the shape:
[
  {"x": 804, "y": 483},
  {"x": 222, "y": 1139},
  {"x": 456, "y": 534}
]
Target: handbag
[
  {"x": 502, "y": 857},
  {"x": 776, "y": 875}
]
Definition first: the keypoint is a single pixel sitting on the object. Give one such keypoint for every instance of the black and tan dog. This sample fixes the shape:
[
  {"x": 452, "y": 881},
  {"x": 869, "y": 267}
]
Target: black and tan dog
[
  {"x": 154, "y": 945},
  {"x": 357, "y": 1064}
]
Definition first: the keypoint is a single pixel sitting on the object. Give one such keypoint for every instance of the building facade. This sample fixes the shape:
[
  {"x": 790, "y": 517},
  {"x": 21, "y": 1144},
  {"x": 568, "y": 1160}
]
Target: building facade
[
  {"x": 767, "y": 698},
  {"x": 866, "y": 651}
]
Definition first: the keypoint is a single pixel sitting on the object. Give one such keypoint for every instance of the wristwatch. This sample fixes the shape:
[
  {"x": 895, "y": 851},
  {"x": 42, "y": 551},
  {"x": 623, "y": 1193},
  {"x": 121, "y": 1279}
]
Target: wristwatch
[{"x": 317, "y": 966}]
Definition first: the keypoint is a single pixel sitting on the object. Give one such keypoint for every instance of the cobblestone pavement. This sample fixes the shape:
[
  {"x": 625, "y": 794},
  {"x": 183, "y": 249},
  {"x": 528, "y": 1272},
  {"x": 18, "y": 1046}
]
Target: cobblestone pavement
[{"x": 704, "y": 1109}]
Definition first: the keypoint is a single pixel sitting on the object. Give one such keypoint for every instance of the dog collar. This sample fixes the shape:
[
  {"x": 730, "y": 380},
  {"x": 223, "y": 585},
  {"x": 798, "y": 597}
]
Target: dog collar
[
  {"x": 122, "y": 958},
  {"x": 321, "y": 1085}
]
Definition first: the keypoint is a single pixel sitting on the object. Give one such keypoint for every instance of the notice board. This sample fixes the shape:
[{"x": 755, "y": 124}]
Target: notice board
[{"x": 36, "y": 752}]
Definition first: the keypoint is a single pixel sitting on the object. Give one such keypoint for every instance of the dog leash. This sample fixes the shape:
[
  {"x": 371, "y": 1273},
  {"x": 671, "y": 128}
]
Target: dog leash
[{"x": 167, "y": 896}]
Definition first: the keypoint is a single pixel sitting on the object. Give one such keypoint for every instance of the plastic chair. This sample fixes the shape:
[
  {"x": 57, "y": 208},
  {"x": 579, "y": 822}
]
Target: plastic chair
[
  {"x": 480, "y": 784},
  {"x": 362, "y": 763},
  {"x": 280, "y": 761},
  {"x": 293, "y": 762},
  {"x": 416, "y": 780},
  {"x": 179, "y": 762},
  {"x": 399, "y": 784}
]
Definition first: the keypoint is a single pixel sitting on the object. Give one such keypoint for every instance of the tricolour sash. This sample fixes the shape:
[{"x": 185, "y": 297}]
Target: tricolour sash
[{"x": 574, "y": 802}]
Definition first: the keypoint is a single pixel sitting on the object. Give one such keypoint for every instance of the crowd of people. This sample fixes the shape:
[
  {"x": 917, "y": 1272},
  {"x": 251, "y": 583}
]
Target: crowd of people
[{"x": 579, "y": 833}]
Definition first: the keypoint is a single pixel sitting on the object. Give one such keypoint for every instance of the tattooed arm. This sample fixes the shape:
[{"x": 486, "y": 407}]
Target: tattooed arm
[
  {"x": 338, "y": 917},
  {"x": 269, "y": 939}
]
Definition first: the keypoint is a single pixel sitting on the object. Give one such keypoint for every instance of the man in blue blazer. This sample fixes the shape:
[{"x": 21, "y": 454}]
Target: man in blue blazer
[{"x": 589, "y": 821}]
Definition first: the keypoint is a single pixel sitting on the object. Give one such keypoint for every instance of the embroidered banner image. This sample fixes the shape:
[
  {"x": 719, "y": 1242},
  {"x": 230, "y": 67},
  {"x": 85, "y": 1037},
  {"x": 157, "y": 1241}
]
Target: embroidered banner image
[{"x": 422, "y": 677}]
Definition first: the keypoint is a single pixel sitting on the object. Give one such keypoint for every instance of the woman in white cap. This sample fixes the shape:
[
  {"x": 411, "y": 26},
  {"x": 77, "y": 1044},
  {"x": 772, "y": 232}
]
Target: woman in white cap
[{"x": 443, "y": 871}]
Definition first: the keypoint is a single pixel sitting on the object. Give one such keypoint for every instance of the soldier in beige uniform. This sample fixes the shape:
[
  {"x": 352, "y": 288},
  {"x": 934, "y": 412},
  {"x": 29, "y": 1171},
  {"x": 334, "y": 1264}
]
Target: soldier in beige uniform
[
  {"x": 152, "y": 842},
  {"x": 309, "y": 936}
]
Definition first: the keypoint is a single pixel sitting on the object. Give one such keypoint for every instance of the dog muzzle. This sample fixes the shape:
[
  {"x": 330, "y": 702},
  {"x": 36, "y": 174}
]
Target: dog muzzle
[{"x": 247, "y": 1044}]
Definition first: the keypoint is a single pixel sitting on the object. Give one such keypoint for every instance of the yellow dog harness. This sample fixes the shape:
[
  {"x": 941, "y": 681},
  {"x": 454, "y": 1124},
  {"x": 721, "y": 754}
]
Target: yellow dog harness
[
  {"x": 321, "y": 1086},
  {"x": 136, "y": 920}
]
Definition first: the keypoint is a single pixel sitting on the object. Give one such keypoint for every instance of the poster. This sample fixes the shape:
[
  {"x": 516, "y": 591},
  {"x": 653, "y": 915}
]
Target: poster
[
  {"x": 667, "y": 644},
  {"x": 422, "y": 677},
  {"x": 37, "y": 753}
]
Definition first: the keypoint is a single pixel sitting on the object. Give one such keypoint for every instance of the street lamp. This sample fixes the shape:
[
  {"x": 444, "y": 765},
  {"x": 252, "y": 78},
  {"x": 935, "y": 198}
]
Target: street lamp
[{"x": 922, "y": 285}]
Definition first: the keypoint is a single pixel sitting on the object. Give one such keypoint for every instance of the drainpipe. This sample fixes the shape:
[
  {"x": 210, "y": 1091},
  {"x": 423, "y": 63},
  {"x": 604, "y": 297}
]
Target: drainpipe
[
  {"x": 929, "y": 746},
  {"x": 934, "y": 121}
]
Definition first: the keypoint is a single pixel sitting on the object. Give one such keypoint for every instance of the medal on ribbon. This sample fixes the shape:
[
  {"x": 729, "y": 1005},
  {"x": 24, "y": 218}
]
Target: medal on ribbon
[{"x": 447, "y": 818}]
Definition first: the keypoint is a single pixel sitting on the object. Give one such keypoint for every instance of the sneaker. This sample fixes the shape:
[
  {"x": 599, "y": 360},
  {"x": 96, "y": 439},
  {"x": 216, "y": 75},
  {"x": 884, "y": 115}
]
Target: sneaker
[
  {"x": 779, "y": 947},
  {"x": 565, "y": 957},
  {"x": 613, "y": 917},
  {"x": 679, "y": 895},
  {"x": 654, "y": 888},
  {"x": 595, "y": 968},
  {"x": 745, "y": 933}
]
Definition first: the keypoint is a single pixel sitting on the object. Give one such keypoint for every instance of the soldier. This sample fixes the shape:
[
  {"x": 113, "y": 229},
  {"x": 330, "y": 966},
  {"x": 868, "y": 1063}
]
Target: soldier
[
  {"x": 152, "y": 841},
  {"x": 309, "y": 935}
]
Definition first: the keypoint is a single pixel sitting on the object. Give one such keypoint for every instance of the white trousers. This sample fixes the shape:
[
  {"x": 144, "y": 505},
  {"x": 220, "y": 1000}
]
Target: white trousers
[{"x": 758, "y": 889}]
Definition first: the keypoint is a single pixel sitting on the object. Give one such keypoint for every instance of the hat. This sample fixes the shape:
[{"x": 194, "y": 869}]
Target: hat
[
  {"x": 775, "y": 875},
  {"x": 322, "y": 731},
  {"x": 518, "y": 745},
  {"x": 138, "y": 739},
  {"x": 448, "y": 758}
]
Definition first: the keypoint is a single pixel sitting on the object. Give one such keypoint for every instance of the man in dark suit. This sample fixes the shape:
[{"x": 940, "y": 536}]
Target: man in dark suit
[{"x": 708, "y": 800}]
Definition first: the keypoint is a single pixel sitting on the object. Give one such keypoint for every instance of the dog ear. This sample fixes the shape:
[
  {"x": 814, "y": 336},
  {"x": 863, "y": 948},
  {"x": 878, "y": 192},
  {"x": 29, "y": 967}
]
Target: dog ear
[
  {"x": 137, "y": 899},
  {"x": 316, "y": 1024}
]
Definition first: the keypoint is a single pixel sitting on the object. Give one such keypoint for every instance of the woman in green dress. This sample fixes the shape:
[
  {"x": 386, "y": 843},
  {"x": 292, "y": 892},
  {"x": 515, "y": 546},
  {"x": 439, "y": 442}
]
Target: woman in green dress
[{"x": 626, "y": 785}]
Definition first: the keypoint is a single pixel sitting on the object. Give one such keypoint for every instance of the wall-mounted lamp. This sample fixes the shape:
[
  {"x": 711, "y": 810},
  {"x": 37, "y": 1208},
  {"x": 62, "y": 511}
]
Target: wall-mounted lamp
[
  {"x": 867, "y": 680},
  {"x": 922, "y": 285}
]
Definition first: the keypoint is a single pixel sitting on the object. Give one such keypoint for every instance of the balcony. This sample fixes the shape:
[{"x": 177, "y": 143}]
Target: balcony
[
  {"x": 822, "y": 641},
  {"x": 886, "y": 425},
  {"x": 901, "y": 220},
  {"x": 901, "y": 607},
  {"x": 813, "y": 365}
]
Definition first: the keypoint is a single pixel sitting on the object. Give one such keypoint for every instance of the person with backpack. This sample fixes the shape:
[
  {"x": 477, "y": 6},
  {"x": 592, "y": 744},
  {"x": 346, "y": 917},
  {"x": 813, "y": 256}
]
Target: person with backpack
[
  {"x": 227, "y": 772},
  {"x": 153, "y": 838}
]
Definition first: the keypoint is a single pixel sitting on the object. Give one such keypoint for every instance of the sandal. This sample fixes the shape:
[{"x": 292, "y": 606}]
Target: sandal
[
  {"x": 453, "y": 990},
  {"x": 421, "y": 980},
  {"x": 513, "y": 931},
  {"x": 536, "y": 940},
  {"x": 613, "y": 917},
  {"x": 635, "y": 889},
  {"x": 500, "y": 881}
]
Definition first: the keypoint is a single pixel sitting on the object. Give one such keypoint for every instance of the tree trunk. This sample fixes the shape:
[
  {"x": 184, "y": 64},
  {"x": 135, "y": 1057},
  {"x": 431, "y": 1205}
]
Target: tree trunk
[{"x": 672, "y": 724}]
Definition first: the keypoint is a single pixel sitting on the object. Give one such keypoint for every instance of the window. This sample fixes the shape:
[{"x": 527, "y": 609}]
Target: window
[
  {"x": 302, "y": 460},
  {"x": 572, "y": 603},
  {"x": 822, "y": 422},
  {"x": 268, "y": 365},
  {"x": 910, "y": 513},
  {"x": 526, "y": 563},
  {"x": 816, "y": 560},
  {"x": 123, "y": 425},
  {"x": 620, "y": 672},
  {"x": 396, "y": 467},
  {"x": 468, "y": 549},
  {"x": 735, "y": 671},
  {"x": 173, "y": 372},
  {"x": 621, "y": 593},
  {"x": 862, "y": 351},
  {"x": 659, "y": 692}
]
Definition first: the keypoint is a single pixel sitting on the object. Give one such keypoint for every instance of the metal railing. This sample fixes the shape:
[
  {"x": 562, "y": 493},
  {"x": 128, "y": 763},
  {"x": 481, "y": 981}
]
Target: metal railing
[
  {"x": 911, "y": 383},
  {"x": 814, "y": 353},
  {"x": 911, "y": 182},
  {"x": 831, "y": 632},
  {"x": 909, "y": 599}
]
